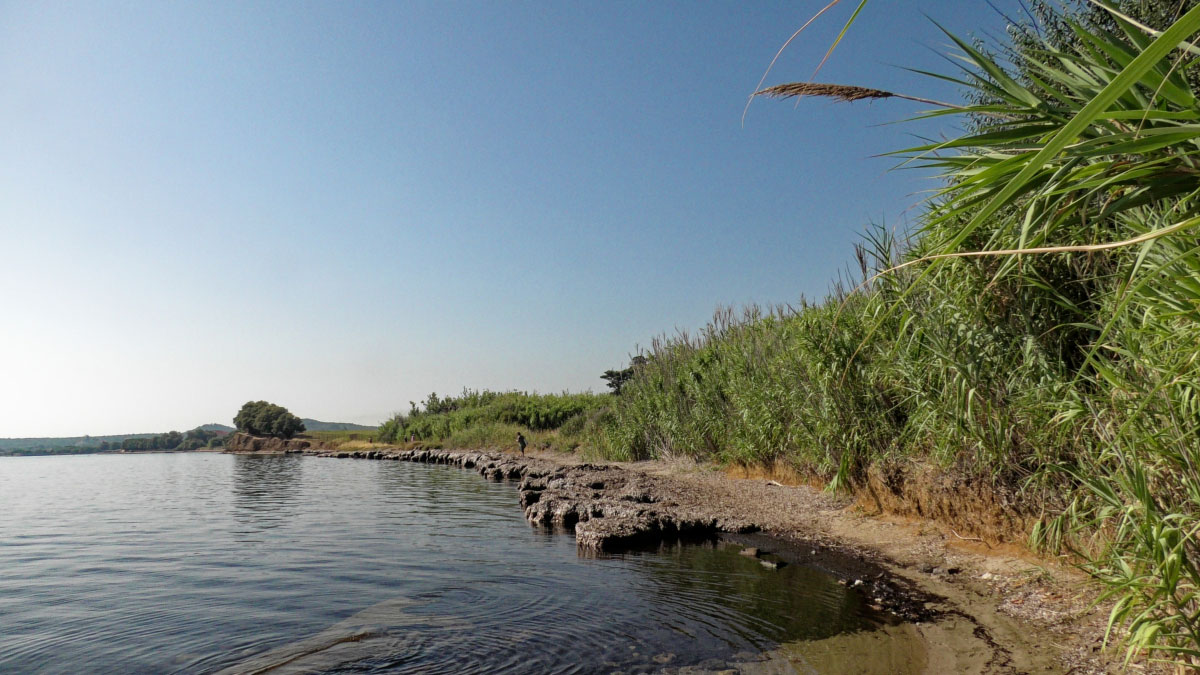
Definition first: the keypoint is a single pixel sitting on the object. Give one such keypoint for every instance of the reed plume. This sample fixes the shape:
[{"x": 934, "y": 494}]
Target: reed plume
[{"x": 841, "y": 92}]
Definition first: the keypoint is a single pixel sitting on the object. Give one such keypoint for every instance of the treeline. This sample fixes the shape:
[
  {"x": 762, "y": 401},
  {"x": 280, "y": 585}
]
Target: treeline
[
  {"x": 174, "y": 440},
  {"x": 56, "y": 450}
]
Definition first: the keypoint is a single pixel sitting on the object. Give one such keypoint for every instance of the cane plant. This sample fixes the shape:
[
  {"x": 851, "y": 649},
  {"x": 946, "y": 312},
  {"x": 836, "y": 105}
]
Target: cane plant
[{"x": 1074, "y": 195}]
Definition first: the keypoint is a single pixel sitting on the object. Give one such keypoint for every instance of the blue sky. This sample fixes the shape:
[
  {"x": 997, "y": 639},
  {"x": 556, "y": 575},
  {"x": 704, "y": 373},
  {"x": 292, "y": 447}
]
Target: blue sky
[{"x": 340, "y": 207}]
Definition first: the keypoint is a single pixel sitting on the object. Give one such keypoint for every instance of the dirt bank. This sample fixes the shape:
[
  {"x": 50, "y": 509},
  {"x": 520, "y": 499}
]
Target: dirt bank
[
  {"x": 245, "y": 443},
  {"x": 970, "y": 606}
]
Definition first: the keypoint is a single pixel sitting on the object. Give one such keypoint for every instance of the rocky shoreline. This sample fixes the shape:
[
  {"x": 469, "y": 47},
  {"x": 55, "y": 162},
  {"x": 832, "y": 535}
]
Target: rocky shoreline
[
  {"x": 974, "y": 610},
  {"x": 611, "y": 509}
]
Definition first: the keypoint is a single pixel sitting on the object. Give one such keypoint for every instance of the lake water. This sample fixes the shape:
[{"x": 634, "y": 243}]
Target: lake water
[{"x": 194, "y": 563}]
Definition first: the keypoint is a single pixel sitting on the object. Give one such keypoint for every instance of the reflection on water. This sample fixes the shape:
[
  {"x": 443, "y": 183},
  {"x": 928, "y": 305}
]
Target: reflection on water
[
  {"x": 198, "y": 562},
  {"x": 679, "y": 605},
  {"x": 792, "y": 603},
  {"x": 264, "y": 487}
]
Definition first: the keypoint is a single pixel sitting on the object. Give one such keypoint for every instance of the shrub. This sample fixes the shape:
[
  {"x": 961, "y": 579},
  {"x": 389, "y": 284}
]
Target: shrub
[{"x": 260, "y": 418}]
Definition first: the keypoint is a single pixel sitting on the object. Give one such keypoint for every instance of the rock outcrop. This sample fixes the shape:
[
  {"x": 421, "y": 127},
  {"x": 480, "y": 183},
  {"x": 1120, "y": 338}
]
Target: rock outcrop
[
  {"x": 611, "y": 509},
  {"x": 607, "y": 507},
  {"x": 246, "y": 443}
]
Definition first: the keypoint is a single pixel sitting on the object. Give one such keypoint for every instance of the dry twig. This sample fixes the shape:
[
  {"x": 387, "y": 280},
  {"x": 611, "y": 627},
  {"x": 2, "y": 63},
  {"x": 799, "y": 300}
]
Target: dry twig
[{"x": 970, "y": 538}]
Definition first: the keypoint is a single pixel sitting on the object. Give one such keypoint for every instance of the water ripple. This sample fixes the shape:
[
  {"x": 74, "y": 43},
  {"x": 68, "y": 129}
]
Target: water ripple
[{"x": 191, "y": 563}]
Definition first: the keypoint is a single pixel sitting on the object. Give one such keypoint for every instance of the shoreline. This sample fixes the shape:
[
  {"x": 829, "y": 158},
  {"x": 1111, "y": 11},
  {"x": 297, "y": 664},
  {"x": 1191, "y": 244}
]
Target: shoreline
[{"x": 975, "y": 608}]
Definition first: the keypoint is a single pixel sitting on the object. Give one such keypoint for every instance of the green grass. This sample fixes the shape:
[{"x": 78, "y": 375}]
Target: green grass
[
  {"x": 335, "y": 438},
  {"x": 493, "y": 419}
]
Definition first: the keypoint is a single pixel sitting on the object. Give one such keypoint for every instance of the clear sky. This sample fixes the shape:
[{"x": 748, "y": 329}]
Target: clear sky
[{"x": 342, "y": 206}]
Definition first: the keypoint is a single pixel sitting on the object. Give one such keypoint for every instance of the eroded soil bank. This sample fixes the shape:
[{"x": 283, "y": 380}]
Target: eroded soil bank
[{"x": 967, "y": 607}]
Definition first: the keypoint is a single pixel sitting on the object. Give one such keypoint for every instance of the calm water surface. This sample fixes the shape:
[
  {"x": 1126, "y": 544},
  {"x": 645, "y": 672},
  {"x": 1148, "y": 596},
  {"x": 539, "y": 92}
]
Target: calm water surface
[{"x": 195, "y": 563}]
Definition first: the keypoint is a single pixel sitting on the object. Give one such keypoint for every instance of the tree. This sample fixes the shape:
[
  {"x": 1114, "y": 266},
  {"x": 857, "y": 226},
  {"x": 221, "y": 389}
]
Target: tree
[
  {"x": 260, "y": 418},
  {"x": 617, "y": 378}
]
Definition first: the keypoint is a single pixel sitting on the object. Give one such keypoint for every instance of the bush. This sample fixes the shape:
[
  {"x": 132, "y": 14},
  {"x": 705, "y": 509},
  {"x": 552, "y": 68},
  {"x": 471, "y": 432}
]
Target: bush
[
  {"x": 475, "y": 418},
  {"x": 260, "y": 418}
]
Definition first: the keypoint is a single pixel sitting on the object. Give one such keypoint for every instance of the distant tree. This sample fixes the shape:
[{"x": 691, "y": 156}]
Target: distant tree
[
  {"x": 197, "y": 438},
  {"x": 260, "y": 418},
  {"x": 617, "y": 378},
  {"x": 435, "y": 405}
]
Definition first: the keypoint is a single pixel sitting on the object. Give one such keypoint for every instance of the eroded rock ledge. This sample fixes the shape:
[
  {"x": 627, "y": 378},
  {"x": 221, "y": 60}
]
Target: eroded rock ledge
[
  {"x": 608, "y": 508},
  {"x": 611, "y": 508},
  {"x": 242, "y": 443}
]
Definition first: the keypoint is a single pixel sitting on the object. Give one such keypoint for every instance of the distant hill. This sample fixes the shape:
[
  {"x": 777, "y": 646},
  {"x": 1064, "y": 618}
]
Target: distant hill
[
  {"x": 64, "y": 442},
  {"x": 318, "y": 425},
  {"x": 86, "y": 444},
  {"x": 69, "y": 445}
]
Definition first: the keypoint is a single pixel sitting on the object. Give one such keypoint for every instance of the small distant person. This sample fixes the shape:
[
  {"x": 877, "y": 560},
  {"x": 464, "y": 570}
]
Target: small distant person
[{"x": 521, "y": 442}]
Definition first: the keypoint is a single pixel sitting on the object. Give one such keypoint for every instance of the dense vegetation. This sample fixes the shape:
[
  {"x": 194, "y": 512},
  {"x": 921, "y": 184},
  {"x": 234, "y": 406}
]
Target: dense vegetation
[
  {"x": 72, "y": 445},
  {"x": 476, "y": 418},
  {"x": 173, "y": 440},
  {"x": 615, "y": 379},
  {"x": 1041, "y": 327},
  {"x": 260, "y": 418},
  {"x": 47, "y": 449},
  {"x": 210, "y": 436}
]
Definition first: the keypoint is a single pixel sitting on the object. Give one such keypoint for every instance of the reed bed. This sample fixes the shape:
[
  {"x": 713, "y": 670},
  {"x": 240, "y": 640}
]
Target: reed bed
[
  {"x": 1039, "y": 328},
  {"x": 492, "y": 419}
]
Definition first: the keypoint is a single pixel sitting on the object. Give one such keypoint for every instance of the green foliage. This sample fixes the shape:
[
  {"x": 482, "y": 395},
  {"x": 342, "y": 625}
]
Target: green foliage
[
  {"x": 617, "y": 378},
  {"x": 81, "y": 445},
  {"x": 260, "y": 418},
  {"x": 337, "y": 436},
  {"x": 48, "y": 449},
  {"x": 1098, "y": 141},
  {"x": 1038, "y": 328},
  {"x": 173, "y": 440},
  {"x": 64, "y": 445},
  {"x": 168, "y": 441},
  {"x": 479, "y": 415},
  {"x": 1075, "y": 370}
]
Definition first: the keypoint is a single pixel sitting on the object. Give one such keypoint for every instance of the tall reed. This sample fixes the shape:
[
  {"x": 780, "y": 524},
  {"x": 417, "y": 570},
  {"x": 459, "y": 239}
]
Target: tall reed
[
  {"x": 1040, "y": 327},
  {"x": 477, "y": 418}
]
